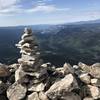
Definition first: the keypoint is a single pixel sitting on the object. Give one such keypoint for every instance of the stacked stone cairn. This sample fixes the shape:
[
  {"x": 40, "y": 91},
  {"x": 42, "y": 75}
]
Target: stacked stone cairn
[
  {"x": 30, "y": 76},
  {"x": 31, "y": 79}
]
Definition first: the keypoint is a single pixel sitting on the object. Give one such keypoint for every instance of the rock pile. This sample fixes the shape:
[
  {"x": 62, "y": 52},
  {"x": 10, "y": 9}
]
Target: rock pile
[{"x": 31, "y": 79}]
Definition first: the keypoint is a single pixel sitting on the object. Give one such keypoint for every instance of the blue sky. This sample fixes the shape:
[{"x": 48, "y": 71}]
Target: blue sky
[{"x": 30, "y": 12}]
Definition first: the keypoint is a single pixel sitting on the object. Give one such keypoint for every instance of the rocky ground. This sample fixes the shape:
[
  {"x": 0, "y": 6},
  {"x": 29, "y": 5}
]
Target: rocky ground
[{"x": 31, "y": 79}]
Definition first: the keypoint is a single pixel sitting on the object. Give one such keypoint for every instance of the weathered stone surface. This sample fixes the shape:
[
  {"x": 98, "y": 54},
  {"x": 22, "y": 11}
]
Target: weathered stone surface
[
  {"x": 37, "y": 87},
  {"x": 70, "y": 96},
  {"x": 85, "y": 78},
  {"x": 19, "y": 73},
  {"x": 42, "y": 96},
  {"x": 75, "y": 67},
  {"x": 66, "y": 84},
  {"x": 4, "y": 71},
  {"x": 16, "y": 92},
  {"x": 68, "y": 69},
  {"x": 33, "y": 96},
  {"x": 84, "y": 67},
  {"x": 95, "y": 82},
  {"x": 93, "y": 91},
  {"x": 95, "y": 71},
  {"x": 88, "y": 98},
  {"x": 13, "y": 67}
]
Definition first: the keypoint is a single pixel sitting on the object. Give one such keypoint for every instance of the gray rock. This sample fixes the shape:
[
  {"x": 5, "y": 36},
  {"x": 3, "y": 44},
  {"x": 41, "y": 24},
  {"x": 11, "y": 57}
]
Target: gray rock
[
  {"x": 37, "y": 87},
  {"x": 16, "y": 92},
  {"x": 85, "y": 78},
  {"x": 93, "y": 91},
  {"x": 84, "y": 67},
  {"x": 42, "y": 96},
  {"x": 19, "y": 73},
  {"x": 33, "y": 96},
  {"x": 95, "y": 82},
  {"x": 67, "y": 84},
  {"x": 70, "y": 96},
  {"x": 95, "y": 71},
  {"x": 4, "y": 71}
]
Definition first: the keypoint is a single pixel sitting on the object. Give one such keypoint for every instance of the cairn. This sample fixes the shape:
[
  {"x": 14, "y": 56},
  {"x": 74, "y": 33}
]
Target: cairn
[
  {"x": 30, "y": 75},
  {"x": 30, "y": 61}
]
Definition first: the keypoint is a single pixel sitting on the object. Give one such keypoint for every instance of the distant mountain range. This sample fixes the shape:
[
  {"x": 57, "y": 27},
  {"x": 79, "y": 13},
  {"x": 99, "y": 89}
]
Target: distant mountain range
[{"x": 72, "y": 42}]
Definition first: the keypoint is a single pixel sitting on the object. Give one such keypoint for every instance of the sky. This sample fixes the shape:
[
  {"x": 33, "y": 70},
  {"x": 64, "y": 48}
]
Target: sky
[{"x": 32, "y": 12}]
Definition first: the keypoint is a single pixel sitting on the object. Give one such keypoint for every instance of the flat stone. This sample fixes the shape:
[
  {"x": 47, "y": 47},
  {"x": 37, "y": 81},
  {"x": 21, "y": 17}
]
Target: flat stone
[
  {"x": 85, "y": 78},
  {"x": 37, "y": 87},
  {"x": 25, "y": 36},
  {"x": 19, "y": 73},
  {"x": 95, "y": 82}
]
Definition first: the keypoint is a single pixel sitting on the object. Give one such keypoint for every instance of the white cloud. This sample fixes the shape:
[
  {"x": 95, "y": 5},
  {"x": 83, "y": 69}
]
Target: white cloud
[
  {"x": 7, "y": 3},
  {"x": 46, "y": 8},
  {"x": 17, "y": 9}
]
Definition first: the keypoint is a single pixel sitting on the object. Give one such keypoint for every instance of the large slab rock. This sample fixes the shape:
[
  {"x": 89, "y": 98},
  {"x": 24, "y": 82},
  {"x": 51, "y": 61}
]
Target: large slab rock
[
  {"x": 67, "y": 84},
  {"x": 16, "y": 92}
]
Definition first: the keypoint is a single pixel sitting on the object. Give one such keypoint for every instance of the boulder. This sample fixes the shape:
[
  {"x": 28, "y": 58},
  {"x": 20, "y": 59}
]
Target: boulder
[
  {"x": 4, "y": 71},
  {"x": 84, "y": 67},
  {"x": 95, "y": 82},
  {"x": 75, "y": 66},
  {"x": 95, "y": 71},
  {"x": 93, "y": 91},
  {"x": 42, "y": 96},
  {"x": 33, "y": 96},
  {"x": 70, "y": 96},
  {"x": 68, "y": 69},
  {"x": 16, "y": 92},
  {"x": 85, "y": 78},
  {"x": 19, "y": 73},
  {"x": 67, "y": 84},
  {"x": 37, "y": 87}
]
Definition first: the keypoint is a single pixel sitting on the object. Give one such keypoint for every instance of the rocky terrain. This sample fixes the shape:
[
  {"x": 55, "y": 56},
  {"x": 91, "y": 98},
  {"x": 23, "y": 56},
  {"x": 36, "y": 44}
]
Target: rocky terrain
[{"x": 31, "y": 79}]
